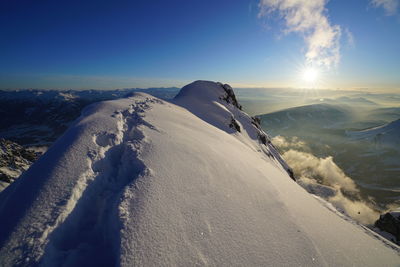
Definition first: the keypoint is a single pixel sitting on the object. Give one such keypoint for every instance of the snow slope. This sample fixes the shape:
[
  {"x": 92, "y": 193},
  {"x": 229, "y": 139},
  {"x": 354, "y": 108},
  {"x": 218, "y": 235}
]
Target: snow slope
[
  {"x": 144, "y": 182},
  {"x": 385, "y": 136}
]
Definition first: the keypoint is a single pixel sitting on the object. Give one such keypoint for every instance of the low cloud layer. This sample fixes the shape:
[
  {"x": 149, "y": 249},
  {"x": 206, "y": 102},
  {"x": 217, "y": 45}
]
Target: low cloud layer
[
  {"x": 308, "y": 18},
  {"x": 322, "y": 177},
  {"x": 390, "y": 6},
  {"x": 339, "y": 189},
  {"x": 283, "y": 142}
]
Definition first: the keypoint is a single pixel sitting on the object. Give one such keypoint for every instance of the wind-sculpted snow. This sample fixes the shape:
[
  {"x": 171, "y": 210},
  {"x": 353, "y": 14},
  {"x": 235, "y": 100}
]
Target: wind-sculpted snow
[{"x": 144, "y": 182}]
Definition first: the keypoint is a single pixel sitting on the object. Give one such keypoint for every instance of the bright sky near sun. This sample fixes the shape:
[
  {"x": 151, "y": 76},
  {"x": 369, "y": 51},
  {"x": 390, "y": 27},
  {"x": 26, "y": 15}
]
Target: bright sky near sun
[{"x": 268, "y": 43}]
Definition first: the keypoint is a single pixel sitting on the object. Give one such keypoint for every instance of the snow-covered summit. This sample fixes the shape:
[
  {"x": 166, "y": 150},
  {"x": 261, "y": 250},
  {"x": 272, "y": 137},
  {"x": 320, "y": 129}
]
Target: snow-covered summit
[
  {"x": 207, "y": 91},
  {"x": 201, "y": 90},
  {"x": 145, "y": 182},
  {"x": 216, "y": 104}
]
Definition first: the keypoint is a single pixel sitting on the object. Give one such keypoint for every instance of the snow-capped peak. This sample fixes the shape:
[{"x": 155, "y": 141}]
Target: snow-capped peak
[
  {"x": 207, "y": 91},
  {"x": 216, "y": 104}
]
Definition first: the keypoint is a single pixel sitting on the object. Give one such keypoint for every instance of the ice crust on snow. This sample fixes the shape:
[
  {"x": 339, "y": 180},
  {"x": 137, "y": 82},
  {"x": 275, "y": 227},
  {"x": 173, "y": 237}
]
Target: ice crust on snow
[{"x": 145, "y": 182}]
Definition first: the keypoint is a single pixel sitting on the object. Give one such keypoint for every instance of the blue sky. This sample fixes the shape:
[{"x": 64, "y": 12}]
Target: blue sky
[{"x": 121, "y": 44}]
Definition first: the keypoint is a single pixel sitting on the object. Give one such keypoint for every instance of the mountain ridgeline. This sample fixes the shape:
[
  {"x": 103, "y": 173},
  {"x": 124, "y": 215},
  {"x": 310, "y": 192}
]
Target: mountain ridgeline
[{"x": 142, "y": 181}]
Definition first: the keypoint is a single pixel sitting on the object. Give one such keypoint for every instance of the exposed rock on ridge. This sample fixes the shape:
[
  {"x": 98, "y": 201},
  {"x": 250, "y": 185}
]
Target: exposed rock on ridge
[{"x": 14, "y": 160}]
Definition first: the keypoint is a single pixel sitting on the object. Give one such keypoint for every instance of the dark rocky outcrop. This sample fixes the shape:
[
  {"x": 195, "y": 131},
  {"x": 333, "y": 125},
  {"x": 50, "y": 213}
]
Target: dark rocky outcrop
[
  {"x": 14, "y": 160},
  {"x": 234, "y": 124},
  {"x": 256, "y": 121},
  {"x": 390, "y": 223},
  {"x": 230, "y": 95}
]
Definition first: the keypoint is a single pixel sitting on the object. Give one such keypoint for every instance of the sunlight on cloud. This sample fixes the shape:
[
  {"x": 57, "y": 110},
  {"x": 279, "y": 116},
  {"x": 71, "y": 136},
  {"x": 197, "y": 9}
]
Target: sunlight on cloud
[
  {"x": 390, "y": 6},
  {"x": 308, "y": 17},
  {"x": 322, "y": 177},
  {"x": 283, "y": 142},
  {"x": 356, "y": 209},
  {"x": 324, "y": 169},
  {"x": 333, "y": 184}
]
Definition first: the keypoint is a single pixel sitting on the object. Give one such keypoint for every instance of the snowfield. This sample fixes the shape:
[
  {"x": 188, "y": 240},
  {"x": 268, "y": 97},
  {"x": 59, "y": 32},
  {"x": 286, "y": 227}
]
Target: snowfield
[{"x": 145, "y": 182}]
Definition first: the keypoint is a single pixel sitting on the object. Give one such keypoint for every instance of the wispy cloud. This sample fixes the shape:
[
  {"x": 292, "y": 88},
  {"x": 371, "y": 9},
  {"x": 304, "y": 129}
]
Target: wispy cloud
[
  {"x": 283, "y": 142},
  {"x": 308, "y": 18},
  {"x": 350, "y": 38},
  {"x": 390, "y": 6}
]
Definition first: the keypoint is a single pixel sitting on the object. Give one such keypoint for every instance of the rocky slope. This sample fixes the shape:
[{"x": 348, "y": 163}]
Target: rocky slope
[{"x": 14, "y": 160}]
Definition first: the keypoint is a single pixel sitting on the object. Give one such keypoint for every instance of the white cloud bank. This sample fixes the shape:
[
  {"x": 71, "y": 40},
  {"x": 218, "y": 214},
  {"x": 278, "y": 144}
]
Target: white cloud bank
[
  {"x": 390, "y": 6},
  {"x": 308, "y": 17},
  {"x": 283, "y": 142},
  {"x": 322, "y": 177}
]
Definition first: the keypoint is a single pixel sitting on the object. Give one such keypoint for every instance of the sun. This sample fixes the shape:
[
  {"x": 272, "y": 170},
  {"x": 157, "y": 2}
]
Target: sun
[{"x": 310, "y": 75}]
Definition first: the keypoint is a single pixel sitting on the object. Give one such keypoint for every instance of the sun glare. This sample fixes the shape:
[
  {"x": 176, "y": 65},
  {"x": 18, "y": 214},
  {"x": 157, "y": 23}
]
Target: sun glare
[{"x": 310, "y": 75}]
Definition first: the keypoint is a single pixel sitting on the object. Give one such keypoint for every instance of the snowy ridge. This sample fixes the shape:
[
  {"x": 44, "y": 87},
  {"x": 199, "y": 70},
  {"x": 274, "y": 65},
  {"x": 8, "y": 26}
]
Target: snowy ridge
[
  {"x": 384, "y": 136},
  {"x": 114, "y": 165},
  {"x": 144, "y": 182}
]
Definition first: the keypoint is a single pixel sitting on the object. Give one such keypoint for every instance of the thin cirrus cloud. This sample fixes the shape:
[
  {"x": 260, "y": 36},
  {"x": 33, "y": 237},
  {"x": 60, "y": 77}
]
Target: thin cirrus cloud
[
  {"x": 308, "y": 18},
  {"x": 390, "y": 6}
]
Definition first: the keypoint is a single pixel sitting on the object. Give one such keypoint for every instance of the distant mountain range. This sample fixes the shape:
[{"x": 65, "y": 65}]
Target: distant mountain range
[
  {"x": 359, "y": 101},
  {"x": 316, "y": 116}
]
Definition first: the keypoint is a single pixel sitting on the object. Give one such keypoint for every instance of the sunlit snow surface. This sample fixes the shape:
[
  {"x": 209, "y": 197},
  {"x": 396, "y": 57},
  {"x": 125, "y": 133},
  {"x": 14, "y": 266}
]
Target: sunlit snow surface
[{"x": 144, "y": 182}]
